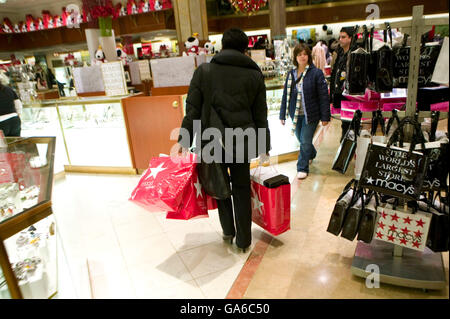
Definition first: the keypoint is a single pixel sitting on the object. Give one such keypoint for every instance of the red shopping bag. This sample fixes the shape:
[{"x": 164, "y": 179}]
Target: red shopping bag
[
  {"x": 162, "y": 185},
  {"x": 193, "y": 204},
  {"x": 271, "y": 207},
  {"x": 211, "y": 203}
]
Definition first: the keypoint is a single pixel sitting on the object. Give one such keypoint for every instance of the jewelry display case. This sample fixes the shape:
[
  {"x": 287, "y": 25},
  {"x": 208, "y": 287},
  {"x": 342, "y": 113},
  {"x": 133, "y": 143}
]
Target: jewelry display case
[
  {"x": 90, "y": 131},
  {"x": 28, "y": 254}
]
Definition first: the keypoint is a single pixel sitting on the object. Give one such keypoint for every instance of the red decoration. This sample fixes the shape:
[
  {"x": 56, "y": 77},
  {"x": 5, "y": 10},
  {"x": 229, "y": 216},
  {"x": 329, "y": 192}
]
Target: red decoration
[
  {"x": 248, "y": 6},
  {"x": 395, "y": 217},
  {"x": 420, "y": 223},
  {"x": 407, "y": 220}
]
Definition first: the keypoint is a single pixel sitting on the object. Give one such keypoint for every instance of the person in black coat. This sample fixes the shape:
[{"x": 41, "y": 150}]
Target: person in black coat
[
  {"x": 339, "y": 73},
  {"x": 10, "y": 111},
  {"x": 305, "y": 100},
  {"x": 233, "y": 86}
]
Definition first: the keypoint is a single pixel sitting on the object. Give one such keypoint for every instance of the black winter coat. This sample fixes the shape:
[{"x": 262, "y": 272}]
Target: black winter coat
[{"x": 234, "y": 85}]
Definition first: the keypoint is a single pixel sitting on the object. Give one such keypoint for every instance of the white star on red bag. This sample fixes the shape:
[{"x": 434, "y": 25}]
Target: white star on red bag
[
  {"x": 257, "y": 204},
  {"x": 198, "y": 188},
  {"x": 154, "y": 171}
]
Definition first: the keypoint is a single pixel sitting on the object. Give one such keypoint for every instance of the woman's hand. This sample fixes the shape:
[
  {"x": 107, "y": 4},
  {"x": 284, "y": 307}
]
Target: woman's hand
[
  {"x": 283, "y": 122},
  {"x": 324, "y": 123}
]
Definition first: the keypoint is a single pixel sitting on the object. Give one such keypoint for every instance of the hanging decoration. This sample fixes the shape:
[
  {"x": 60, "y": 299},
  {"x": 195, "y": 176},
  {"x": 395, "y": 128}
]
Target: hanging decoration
[
  {"x": 248, "y": 6},
  {"x": 91, "y": 11}
]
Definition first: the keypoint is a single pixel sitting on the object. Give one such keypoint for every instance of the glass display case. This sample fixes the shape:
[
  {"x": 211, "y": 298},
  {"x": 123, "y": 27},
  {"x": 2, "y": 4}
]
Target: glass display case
[
  {"x": 90, "y": 131},
  {"x": 28, "y": 254}
]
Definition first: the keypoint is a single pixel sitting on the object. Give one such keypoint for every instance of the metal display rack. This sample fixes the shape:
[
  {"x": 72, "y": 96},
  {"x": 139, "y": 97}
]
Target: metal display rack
[{"x": 399, "y": 266}]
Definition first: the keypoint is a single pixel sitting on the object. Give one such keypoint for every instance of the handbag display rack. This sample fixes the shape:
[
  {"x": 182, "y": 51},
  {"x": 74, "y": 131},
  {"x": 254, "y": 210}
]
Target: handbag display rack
[{"x": 399, "y": 266}]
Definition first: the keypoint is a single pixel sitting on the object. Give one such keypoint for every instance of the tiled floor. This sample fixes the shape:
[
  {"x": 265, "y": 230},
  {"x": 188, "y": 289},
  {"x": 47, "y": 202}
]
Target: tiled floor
[{"x": 112, "y": 248}]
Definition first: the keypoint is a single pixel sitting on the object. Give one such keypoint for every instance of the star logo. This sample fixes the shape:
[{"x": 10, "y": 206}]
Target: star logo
[
  {"x": 257, "y": 204},
  {"x": 370, "y": 180},
  {"x": 403, "y": 241},
  {"x": 405, "y": 231},
  {"x": 420, "y": 223},
  {"x": 391, "y": 238},
  {"x": 418, "y": 234},
  {"x": 381, "y": 225},
  {"x": 154, "y": 171},
  {"x": 393, "y": 228},
  {"x": 383, "y": 214},
  {"x": 379, "y": 235},
  {"x": 416, "y": 244},
  {"x": 395, "y": 217},
  {"x": 407, "y": 220},
  {"x": 198, "y": 188}
]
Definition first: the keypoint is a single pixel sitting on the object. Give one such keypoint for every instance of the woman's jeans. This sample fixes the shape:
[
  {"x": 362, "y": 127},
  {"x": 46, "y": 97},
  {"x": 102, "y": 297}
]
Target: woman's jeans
[{"x": 305, "y": 133}]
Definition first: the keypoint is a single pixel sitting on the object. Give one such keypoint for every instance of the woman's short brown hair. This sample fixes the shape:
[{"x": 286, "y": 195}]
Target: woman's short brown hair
[{"x": 299, "y": 48}]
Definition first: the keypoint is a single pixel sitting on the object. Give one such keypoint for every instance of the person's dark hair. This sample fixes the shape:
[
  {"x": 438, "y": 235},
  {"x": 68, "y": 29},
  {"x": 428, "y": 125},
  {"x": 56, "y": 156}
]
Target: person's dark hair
[
  {"x": 299, "y": 48},
  {"x": 348, "y": 30},
  {"x": 235, "y": 39}
]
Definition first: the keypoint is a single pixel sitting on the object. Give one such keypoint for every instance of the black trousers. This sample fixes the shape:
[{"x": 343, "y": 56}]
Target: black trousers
[
  {"x": 240, "y": 185},
  {"x": 337, "y": 99},
  {"x": 11, "y": 127}
]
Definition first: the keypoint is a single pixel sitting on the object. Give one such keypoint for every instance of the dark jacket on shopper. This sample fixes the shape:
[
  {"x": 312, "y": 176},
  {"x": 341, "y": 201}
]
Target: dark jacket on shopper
[
  {"x": 234, "y": 86},
  {"x": 336, "y": 79},
  {"x": 315, "y": 93}
]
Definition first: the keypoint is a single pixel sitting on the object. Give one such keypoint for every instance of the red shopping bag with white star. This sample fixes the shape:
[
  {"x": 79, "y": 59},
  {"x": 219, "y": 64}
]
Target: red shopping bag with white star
[
  {"x": 271, "y": 207},
  {"x": 194, "y": 202},
  {"x": 403, "y": 229},
  {"x": 163, "y": 184}
]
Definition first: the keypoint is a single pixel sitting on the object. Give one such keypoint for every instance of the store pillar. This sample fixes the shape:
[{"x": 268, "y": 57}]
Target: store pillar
[
  {"x": 190, "y": 17},
  {"x": 277, "y": 13}
]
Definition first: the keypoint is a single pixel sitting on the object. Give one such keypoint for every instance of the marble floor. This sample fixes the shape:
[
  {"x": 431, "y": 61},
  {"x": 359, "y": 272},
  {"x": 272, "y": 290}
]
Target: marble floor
[{"x": 111, "y": 248}]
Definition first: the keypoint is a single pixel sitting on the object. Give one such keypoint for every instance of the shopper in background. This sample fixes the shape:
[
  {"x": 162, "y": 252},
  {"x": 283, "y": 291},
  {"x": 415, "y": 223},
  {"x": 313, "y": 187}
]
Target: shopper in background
[
  {"x": 10, "y": 110},
  {"x": 234, "y": 84},
  {"x": 339, "y": 73},
  {"x": 305, "y": 98}
]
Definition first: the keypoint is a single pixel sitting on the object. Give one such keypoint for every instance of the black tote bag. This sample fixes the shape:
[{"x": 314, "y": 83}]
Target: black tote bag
[
  {"x": 394, "y": 170},
  {"x": 384, "y": 57},
  {"x": 357, "y": 77},
  {"x": 213, "y": 176},
  {"x": 340, "y": 209},
  {"x": 369, "y": 219},
  {"x": 353, "y": 217},
  {"x": 348, "y": 145}
]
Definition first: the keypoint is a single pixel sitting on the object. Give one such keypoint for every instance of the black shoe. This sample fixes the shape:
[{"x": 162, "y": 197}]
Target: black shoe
[
  {"x": 243, "y": 250},
  {"x": 228, "y": 239}
]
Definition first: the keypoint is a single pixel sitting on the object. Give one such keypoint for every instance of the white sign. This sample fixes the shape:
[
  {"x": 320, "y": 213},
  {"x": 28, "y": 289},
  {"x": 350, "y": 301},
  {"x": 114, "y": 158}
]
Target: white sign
[
  {"x": 169, "y": 72},
  {"x": 88, "y": 79},
  {"x": 135, "y": 73},
  {"x": 403, "y": 229},
  {"x": 144, "y": 70},
  {"x": 114, "y": 78},
  {"x": 258, "y": 55}
]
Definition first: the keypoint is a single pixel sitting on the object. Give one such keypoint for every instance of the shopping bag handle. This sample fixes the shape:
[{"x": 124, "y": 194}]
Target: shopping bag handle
[
  {"x": 394, "y": 117},
  {"x": 398, "y": 135},
  {"x": 434, "y": 123}
]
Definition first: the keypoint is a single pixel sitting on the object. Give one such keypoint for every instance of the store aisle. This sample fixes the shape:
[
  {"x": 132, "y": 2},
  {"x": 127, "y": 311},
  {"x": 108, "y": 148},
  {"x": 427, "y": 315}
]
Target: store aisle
[
  {"x": 309, "y": 262},
  {"x": 116, "y": 249}
]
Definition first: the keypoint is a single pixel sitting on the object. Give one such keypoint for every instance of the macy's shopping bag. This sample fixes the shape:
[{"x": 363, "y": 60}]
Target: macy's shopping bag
[
  {"x": 162, "y": 186},
  {"x": 271, "y": 207},
  {"x": 193, "y": 203}
]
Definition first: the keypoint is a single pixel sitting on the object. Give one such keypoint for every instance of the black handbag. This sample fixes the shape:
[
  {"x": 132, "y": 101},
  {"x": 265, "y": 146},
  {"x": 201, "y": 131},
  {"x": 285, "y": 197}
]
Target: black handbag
[
  {"x": 348, "y": 145},
  {"x": 384, "y": 57},
  {"x": 428, "y": 58},
  {"x": 437, "y": 169},
  {"x": 353, "y": 216},
  {"x": 438, "y": 233},
  {"x": 341, "y": 207},
  {"x": 393, "y": 119},
  {"x": 213, "y": 176},
  {"x": 377, "y": 119},
  {"x": 357, "y": 69},
  {"x": 369, "y": 218}
]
